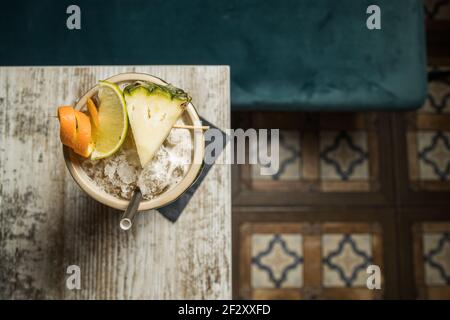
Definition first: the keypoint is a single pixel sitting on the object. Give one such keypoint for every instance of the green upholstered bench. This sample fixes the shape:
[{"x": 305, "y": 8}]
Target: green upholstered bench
[{"x": 284, "y": 55}]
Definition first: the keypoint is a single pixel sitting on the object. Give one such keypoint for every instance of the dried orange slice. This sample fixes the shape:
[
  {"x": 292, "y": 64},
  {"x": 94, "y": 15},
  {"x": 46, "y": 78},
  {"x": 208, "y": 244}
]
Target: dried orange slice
[
  {"x": 68, "y": 125},
  {"x": 93, "y": 111},
  {"x": 83, "y": 144},
  {"x": 75, "y": 130}
]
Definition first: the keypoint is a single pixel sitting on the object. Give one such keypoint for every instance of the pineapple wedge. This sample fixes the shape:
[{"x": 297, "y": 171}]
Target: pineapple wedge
[{"x": 152, "y": 111}]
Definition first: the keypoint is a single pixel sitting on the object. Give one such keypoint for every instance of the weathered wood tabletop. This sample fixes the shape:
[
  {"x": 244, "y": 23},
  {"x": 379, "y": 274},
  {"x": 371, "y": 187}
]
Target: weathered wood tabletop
[{"x": 48, "y": 223}]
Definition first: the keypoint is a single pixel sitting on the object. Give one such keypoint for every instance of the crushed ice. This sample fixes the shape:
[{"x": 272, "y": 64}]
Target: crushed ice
[{"x": 121, "y": 173}]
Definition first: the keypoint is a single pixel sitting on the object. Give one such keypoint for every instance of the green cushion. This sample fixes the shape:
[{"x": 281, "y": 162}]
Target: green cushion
[{"x": 284, "y": 55}]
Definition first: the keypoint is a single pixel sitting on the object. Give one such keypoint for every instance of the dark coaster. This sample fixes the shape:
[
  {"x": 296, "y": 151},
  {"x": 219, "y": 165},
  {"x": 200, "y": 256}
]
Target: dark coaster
[{"x": 173, "y": 210}]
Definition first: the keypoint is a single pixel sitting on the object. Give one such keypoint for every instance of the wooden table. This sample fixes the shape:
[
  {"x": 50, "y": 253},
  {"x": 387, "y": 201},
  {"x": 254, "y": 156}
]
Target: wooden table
[{"x": 47, "y": 223}]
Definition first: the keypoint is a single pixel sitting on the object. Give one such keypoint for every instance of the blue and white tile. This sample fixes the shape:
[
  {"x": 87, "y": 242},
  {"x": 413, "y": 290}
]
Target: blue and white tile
[
  {"x": 434, "y": 155},
  {"x": 344, "y": 155},
  {"x": 277, "y": 261},
  {"x": 436, "y": 250},
  {"x": 345, "y": 258},
  {"x": 289, "y": 161},
  {"x": 438, "y": 97}
]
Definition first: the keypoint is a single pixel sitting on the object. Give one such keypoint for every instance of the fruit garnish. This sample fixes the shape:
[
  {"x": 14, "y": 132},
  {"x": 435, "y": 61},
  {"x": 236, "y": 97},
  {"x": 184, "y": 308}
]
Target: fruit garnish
[
  {"x": 112, "y": 119},
  {"x": 75, "y": 130},
  {"x": 83, "y": 143},
  {"x": 92, "y": 111},
  {"x": 68, "y": 125},
  {"x": 153, "y": 109}
]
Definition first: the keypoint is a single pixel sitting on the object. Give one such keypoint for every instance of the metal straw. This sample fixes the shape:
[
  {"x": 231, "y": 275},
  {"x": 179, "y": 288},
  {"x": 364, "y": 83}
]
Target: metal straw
[{"x": 127, "y": 218}]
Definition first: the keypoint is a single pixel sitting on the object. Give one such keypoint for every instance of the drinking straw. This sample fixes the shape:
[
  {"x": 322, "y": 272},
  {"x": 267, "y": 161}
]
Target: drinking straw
[
  {"x": 186, "y": 126},
  {"x": 127, "y": 218}
]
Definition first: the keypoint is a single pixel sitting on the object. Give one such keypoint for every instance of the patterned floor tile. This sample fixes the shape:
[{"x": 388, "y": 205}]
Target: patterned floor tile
[
  {"x": 428, "y": 136},
  {"x": 434, "y": 155},
  {"x": 325, "y": 153},
  {"x": 290, "y": 158},
  {"x": 344, "y": 155},
  {"x": 345, "y": 259},
  {"x": 431, "y": 247},
  {"x": 277, "y": 261},
  {"x": 308, "y": 260},
  {"x": 438, "y": 98},
  {"x": 436, "y": 250}
]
